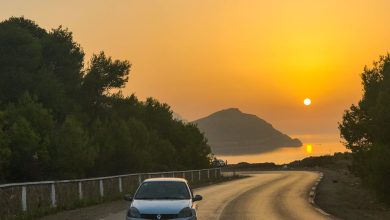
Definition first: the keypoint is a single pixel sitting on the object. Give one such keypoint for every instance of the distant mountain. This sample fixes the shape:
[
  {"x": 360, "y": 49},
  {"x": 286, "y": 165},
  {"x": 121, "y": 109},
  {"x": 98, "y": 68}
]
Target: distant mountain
[{"x": 232, "y": 132}]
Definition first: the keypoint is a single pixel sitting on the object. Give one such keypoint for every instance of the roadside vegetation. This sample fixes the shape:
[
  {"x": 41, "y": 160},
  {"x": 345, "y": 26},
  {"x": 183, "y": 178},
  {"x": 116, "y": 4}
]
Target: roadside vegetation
[
  {"x": 365, "y": 128},
  {"x": 335, "y": 161},
  {"x": 61, "y": 118}
]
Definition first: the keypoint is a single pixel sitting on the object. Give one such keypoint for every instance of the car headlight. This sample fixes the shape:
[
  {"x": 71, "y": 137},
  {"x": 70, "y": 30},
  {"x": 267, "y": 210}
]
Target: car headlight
[
  {"x": 133, "y": 213},
  {"x": 186, "y": 212}
]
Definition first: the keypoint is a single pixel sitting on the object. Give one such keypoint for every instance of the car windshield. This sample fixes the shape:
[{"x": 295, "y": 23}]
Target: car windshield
[{"x": 163, "y": 190}]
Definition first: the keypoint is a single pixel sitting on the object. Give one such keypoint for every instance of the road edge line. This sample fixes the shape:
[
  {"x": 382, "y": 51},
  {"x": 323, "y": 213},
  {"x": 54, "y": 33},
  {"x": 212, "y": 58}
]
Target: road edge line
[{"x": 312, "y": 195}]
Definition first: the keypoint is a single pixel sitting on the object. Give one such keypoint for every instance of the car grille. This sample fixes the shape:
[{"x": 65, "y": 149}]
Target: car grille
[{"x": 163, "y": 216}]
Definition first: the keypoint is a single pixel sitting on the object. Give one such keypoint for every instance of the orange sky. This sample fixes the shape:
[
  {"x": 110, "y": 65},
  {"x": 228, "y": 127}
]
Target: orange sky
[{"x": 263, "y": 57}]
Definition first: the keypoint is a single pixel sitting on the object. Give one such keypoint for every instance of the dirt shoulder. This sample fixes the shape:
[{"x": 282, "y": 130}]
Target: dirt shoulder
[{"x": 341, "y": 194}]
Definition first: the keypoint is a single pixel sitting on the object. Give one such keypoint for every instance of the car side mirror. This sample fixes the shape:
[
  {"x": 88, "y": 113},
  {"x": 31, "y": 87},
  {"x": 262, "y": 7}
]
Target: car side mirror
[
  {"x": 197, "y": 198},
  {"x": 128, "y": 198}
]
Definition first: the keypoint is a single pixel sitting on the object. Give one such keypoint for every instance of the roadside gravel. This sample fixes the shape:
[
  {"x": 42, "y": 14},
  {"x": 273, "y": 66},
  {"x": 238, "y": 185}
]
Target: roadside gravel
[{"x": 341, "y": 194}]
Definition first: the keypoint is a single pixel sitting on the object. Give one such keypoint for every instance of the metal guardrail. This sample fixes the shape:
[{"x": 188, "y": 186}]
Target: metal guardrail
[{"x": 19, "y": 198}]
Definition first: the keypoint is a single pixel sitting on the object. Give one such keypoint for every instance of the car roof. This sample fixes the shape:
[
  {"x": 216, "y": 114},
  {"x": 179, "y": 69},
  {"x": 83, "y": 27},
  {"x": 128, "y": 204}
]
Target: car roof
[{"x": 166, "y": 179}]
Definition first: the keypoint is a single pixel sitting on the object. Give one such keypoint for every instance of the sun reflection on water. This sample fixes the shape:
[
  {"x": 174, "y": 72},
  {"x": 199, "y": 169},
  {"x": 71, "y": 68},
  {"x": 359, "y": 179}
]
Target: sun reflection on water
[{"x": 309, "y": 149}]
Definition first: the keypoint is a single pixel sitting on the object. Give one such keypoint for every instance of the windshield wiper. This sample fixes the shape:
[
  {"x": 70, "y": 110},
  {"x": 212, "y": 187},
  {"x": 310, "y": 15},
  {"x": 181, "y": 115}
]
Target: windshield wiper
[
  {"x": 145, "y": 198},
  {"x": 173, "y": 198}
]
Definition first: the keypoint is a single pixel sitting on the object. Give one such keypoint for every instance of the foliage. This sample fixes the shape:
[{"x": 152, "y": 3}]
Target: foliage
[
  {"x": 62, "y": 119},
  {"x": 73, "y": 154},
  {"x": 337, "y": 160},
  {"x": 28, "y": 126},
  {"x": 366, "y": 128},
  {"x": 5, "y": 151}
]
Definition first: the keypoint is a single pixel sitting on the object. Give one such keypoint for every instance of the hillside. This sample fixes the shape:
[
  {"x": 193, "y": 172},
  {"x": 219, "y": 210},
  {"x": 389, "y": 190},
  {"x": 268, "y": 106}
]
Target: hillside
[{"x": 232, "y": 132}]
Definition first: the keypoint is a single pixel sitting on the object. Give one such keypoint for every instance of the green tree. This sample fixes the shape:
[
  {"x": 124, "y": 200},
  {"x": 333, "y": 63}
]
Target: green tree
[
  {"x": 20, "y": 57},
  {"x": 103, "y": 75},
  {"x": 28, "y": 126},
  {"x": 74, "y": 154},
  {"x": 61, "y": 76},
  {"x": 5, "y": 151},
  {"x": 46, "y": 64},
  {"x": 366, "y": 128},
  {"x": 66, "y": 59},
  {"x": 163, "y": 154}
]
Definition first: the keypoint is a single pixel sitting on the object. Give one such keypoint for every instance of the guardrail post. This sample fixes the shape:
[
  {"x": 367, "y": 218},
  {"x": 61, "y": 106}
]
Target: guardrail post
[
  {"x": 53, "y": 196},
  {"x": 208, "y": 174},
  {"x": 24, "y": 198},
  {"x": 139, "y": 179},
  {"x": 192, "y": 176},
  {"x": 199, "y": 175},
  {"x": 120, "y": 184},
  {"x": 101, "y": 187},
  {"x": 184, "y": 175},
  {"x": 215, "y": 173},
  {"x": 80, "y": 190}
]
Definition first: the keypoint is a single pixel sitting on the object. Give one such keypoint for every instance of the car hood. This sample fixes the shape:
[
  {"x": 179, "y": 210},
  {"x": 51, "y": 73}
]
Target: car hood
[{"x": 160, "y": 206}]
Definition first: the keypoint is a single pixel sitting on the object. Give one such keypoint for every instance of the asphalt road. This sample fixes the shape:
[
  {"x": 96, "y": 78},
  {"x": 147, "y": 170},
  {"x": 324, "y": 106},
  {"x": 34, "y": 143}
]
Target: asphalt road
[{"x": 265, "y": 195}]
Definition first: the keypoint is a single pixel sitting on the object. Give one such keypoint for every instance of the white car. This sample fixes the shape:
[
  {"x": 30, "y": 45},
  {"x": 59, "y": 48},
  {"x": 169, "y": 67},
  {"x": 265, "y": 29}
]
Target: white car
[{"x": 163, "y": 198}]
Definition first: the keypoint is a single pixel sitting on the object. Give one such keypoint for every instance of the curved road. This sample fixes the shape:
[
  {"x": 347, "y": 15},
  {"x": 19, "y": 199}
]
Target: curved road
[{"x": 265, "y": 195}]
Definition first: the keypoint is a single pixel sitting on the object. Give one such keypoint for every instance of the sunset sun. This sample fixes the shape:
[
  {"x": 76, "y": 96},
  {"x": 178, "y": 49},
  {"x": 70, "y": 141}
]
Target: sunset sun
[{"x": 307, "y": 102}]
